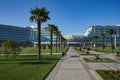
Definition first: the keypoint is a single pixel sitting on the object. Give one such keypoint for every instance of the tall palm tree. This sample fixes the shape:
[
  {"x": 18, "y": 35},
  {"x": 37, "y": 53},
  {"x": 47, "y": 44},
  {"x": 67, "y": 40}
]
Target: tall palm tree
[
  {"x": 111, "y": 32},
  {"x": 52, "y": 28},
  {"x": 62, "y": 39},
  {"x": 102, "y": 35},
  {"x": 56, "y": 33},
  {"x": 39, "y": 15},
  {"x": 92, "y": 40},
  {"x": 95, "y": 38},
  {"x": 64, "y": 42},
  {"x": 59, "y": 34},
  {"x": 85, "y": 42}
]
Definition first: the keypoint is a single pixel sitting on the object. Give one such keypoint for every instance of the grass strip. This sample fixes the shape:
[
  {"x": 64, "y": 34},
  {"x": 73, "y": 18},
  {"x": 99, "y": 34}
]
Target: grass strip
[{"x": 26, "y": 67}]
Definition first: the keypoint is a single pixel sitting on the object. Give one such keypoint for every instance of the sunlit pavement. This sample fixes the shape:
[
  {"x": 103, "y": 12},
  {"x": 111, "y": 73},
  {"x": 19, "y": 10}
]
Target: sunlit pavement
[
  {"x": 108, "y": 66},
  {"x": 72, "y": 67}
]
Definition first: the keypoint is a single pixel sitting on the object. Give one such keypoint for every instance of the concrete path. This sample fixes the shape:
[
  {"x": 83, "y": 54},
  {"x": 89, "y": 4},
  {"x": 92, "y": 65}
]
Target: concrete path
[{"x": 71, "y": 67}]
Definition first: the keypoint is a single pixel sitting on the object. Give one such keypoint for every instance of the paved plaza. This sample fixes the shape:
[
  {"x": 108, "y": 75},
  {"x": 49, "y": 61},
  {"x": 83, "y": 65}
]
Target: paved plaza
[{"x": 72, "y": 67}]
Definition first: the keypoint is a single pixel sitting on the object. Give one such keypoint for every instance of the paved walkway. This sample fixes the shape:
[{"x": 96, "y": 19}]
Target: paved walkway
[
  {"x": 106, "y": 66},
  {"x": 111, "y": 55},
  {"x": 71, "y": 67}
]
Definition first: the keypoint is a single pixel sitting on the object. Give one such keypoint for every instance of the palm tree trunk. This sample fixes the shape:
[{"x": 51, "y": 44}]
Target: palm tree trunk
[
  {"x": 59, "y": 43},
  {"x": 39, "y": 39},
  {"x": 50, "y": 41},
  {"x": 56, "y": 42},
  {"x": 96, "y": 44},
  {"x": 111, "y": 43},
  {"x": 102, "y": 43},
  {"x": 64, "y": 43},
  {"x": 89, "y": 43}
]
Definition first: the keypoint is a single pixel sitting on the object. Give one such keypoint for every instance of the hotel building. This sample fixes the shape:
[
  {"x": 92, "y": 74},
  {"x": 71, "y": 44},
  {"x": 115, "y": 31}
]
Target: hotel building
[
  {"x": 97, "y": 30},
  {"x": 24, "y": 34},
  {"x": 19, "y": 34}
]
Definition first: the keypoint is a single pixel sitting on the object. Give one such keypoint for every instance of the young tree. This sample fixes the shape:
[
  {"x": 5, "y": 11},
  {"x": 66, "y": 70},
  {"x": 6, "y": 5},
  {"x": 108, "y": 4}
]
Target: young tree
[
  {"x": 39, "y": 15},
  {"x": 11, "y": 47}
]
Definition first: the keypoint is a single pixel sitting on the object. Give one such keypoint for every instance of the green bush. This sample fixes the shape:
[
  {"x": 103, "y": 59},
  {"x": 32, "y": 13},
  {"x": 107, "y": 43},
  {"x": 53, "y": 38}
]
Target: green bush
[
  {"x": 11, "y": 47},
  {"x": 87, "y": 52}
]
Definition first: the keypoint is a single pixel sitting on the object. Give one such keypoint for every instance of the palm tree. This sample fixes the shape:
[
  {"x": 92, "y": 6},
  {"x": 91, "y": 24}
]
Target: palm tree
[
  {"x": 85, "y": 42},
  {"x": 52, "y": 28},
  {"x": 95, "y": 38},
  {"x": 92, "y": 40},
  {"x": 59, "y": 34},
  {"x": 64, "y": 42},
  {"x": 102, "y": 35},
  {"x": 56, "y": 33},
  {"x": 111, "y": 32},
  {"x": 39, "y": 15}
]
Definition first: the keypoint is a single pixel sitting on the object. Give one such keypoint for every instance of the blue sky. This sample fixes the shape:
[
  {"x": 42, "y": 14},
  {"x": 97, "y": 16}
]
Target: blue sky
[{"x": 71, "y": 16}]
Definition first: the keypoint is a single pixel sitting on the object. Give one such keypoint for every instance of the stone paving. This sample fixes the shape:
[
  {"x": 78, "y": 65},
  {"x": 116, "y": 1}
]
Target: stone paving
[
  {"x": 107, "y": 65},
  {"x": 111, "y": 55},
  {"x": 72, "y": 67}
]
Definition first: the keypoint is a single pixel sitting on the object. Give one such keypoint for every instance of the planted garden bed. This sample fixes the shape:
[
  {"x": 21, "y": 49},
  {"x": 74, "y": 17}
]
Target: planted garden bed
[
  {"x": 98, "y": 60},
  {"x": 109, "y": 74}
]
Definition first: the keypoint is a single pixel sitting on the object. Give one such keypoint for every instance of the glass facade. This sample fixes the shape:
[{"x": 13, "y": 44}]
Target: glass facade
[
  {"x": 45, "y": 35},
  {"x": 14, "y": 33},
  {"x": 26, "y": 34},
  {"x": 97, "y": 30}
]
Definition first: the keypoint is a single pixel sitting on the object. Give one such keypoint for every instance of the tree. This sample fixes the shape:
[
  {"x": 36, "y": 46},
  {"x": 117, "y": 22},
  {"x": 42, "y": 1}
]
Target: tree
[
  {"x": 95, "y": 38},
  {"x": 11, "y": 47},
  {"x": 64, "y": 42},
  {"x": 111, "y": 32},
  {"x": 62, "y": 39},
  {"x": 56, "y": 33},
  {"x": 59, "y": 34},
  {"x": 39, "y": 15},
  {"x": 52, "y": 28},
  {"x": 85, "y": 42},
  {"x": 102, "y": 35},
  {"x": 92, "y": 40}
]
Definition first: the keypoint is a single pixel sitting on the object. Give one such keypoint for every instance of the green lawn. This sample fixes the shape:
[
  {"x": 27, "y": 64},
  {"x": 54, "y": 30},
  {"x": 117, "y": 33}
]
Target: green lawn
[
  {"x": 26, "y": 67},
  {"x": 104, "y": 75},
  {"x": 33, "y": 50}
]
